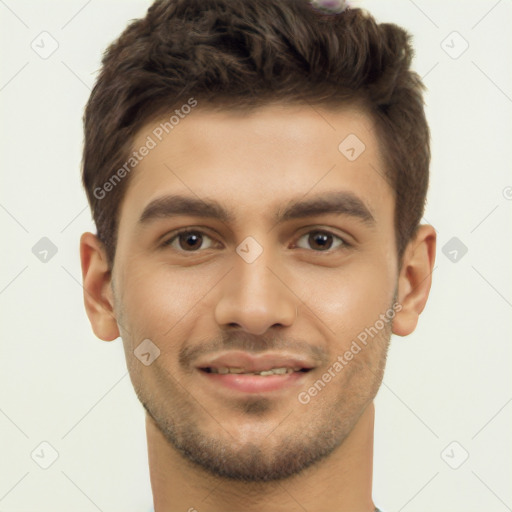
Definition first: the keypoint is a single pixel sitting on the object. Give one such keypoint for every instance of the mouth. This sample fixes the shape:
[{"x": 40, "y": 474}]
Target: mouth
[
  {"x": 245, "y": 373},
  {"x": 223, "y": 370}
]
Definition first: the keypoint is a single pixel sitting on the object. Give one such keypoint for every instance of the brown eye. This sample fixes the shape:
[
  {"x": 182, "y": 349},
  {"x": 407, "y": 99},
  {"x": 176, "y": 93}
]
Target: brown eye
[
  {"x": 322, "y": 241},
  {"x": 188, "y": 241}
]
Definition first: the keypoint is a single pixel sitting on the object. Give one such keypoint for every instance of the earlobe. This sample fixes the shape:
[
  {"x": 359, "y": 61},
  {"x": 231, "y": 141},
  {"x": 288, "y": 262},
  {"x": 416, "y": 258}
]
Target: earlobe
[
  {"x": 415, "y": 279},
  {"x": 97, "y": 284}
]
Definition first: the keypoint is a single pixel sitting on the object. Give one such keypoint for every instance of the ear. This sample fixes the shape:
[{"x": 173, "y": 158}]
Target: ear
[
  {"x": 415, "y": 279},
  {"x": 97, "y": 284}
]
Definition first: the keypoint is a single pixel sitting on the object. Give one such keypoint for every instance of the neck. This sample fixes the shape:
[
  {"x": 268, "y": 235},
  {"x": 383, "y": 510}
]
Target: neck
[{"x": 341, "y": 482}]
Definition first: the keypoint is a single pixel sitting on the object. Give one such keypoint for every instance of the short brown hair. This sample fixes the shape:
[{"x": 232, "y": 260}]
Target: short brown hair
[{"x": 244, "y": 54}]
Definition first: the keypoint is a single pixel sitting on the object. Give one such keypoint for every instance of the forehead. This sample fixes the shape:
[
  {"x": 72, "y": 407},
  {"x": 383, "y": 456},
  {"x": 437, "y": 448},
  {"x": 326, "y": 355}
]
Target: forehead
[{"x": 256, "y": 161}]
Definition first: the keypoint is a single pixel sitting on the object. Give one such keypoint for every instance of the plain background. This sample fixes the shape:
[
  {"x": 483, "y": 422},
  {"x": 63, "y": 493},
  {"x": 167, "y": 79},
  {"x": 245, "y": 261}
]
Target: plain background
[{"x": 447, "y": 392}]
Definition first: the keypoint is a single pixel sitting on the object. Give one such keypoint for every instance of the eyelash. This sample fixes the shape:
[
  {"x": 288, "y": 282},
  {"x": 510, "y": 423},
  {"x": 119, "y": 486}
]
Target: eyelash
[{"x": 175, "y": 236}]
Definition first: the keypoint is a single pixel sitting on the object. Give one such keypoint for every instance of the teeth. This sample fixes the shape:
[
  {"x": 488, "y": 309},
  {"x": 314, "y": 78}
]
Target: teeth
[
  {"x": 279, "y": 371},
  {"x": 235, "y": 370},
  {"x": 273, "y": 371}
]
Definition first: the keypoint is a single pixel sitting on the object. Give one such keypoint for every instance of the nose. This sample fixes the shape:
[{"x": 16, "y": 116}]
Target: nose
[{"x": 255, "y": 297}]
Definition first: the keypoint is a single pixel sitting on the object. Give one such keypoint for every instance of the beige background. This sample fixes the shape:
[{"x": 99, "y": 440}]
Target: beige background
[{"x": 448, "y": 382}]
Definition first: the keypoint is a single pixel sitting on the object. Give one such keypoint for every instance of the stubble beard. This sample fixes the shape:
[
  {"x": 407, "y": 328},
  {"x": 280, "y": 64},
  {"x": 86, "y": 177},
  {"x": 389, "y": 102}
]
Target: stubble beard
[{"x": 285, "y": 451}]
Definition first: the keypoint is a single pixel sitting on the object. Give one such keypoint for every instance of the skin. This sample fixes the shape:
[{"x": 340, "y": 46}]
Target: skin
[{"x": 207, "y": 443}]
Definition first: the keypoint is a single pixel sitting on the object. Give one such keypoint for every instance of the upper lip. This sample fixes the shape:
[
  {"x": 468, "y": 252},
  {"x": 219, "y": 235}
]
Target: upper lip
[{"x": 255, "y": 363}]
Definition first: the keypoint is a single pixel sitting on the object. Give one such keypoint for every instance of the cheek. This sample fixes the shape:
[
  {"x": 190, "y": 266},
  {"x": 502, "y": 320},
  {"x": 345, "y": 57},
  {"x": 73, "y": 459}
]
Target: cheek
[
  {"x": 157, "y": 297},
  {"x": 348, "y": 300}
]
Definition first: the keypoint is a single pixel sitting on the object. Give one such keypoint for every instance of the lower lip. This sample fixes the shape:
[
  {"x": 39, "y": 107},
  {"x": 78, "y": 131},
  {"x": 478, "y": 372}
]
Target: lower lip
[{"x": 255, "y": 383}]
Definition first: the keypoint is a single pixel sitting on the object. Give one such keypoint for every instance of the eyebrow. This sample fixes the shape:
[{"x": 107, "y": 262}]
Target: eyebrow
[{"x": 341, "y": 203}]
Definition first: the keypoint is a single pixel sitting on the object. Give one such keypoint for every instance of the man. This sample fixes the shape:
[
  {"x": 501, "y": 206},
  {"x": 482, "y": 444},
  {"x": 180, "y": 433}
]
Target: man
[{"x": 257, "y": 173}]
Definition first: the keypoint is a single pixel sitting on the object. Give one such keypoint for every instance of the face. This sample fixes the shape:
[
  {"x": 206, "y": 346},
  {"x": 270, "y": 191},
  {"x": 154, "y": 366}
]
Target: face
[{"x": 248, "y": 243}]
